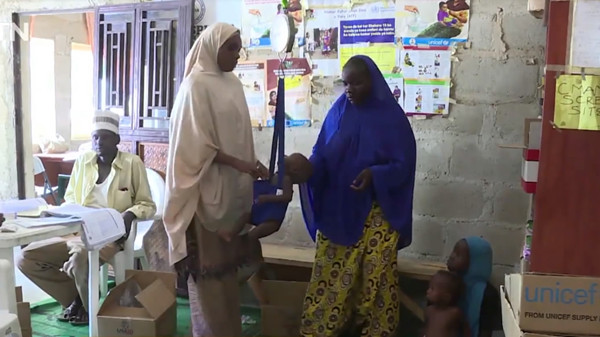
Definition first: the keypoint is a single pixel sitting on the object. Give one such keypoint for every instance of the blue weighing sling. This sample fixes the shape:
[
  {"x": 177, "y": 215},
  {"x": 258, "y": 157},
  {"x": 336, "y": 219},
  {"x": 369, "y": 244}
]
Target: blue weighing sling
[{"x": 273, "y": 211}]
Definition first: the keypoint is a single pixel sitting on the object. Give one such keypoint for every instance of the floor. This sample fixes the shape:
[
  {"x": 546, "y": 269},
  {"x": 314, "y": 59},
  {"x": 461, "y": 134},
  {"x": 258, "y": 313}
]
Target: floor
[
  {"x": 41, "y": 315},
  {"x": 31, "y": 293},
  {"x": 44, "y": 323}
]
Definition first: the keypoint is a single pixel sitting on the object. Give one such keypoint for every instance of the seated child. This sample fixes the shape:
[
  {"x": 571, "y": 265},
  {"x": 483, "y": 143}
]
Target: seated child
[
  {"x": 444, "y": 15},
  {"x": 443, "y": 317},
  {"x": 472, "y": 260},
  {"x": 267, "y": 215}
]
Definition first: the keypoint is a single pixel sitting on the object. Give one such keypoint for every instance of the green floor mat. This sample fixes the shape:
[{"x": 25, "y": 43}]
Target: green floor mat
[{"x": 44, "y": 323}]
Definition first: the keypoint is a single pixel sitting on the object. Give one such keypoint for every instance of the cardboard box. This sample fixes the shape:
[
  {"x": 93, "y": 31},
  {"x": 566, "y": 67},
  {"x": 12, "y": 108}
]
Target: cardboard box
[
  {"x": 156, "y": 317},
  {"x": 509, "y": 321},
  {"x": 555, "y": 304},
  {"x": 281, "y": 318},
  {"x": 23, "y": 313}
]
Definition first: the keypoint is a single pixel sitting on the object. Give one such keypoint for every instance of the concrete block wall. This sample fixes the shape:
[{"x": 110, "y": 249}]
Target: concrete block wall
[{"x": 466, "y": 184}]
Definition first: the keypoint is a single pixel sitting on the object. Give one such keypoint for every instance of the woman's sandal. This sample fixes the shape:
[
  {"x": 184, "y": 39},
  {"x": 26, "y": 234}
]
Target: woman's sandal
[
  {"x": 81, "y": 318},
  {"x": 68, "y": 313}
]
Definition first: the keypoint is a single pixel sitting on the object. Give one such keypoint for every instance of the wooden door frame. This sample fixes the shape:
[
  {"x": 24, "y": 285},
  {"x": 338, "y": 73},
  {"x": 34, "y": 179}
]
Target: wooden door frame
[
  {"x": 18, "y": 93},
  {"x": 18, "y": 98}
]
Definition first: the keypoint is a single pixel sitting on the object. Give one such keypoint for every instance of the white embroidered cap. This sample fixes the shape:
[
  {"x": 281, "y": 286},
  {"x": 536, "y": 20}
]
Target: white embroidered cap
[{"x": 106, "y": 120}]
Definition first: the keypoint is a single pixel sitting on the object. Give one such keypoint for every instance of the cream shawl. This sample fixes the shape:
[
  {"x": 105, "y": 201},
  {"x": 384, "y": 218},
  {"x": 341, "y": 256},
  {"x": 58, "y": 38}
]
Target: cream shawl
[{"x": 209, "y": 114}]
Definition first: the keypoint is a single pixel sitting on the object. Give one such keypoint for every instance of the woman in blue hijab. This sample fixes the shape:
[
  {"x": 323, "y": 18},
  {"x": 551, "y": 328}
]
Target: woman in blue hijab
[
  {"x": 359, "y": 200},
  {"x": 472, "y": 260}
]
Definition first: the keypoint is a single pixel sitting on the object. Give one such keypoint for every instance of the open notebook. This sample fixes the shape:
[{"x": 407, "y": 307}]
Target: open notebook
[{"x": 101, "y": 226}]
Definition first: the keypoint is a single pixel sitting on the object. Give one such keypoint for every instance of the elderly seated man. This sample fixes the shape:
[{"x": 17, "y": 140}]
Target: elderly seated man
[{"x": 102, "y": 178}]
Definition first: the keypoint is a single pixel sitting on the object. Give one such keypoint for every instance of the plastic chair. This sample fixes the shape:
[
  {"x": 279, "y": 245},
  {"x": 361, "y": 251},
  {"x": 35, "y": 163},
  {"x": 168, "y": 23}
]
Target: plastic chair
[
  {"x": 9, "y": 323},
  {"x": 63, "y": 182},
  {"x": 125, "y": 259},
  {"x": 46, "y": 189},
  {"x": 157, "y": 188}
]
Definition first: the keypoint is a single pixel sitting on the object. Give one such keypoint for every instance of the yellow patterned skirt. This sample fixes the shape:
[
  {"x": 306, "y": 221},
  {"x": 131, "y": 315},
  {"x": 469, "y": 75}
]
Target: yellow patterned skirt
[{"x": 355, "y": 287}]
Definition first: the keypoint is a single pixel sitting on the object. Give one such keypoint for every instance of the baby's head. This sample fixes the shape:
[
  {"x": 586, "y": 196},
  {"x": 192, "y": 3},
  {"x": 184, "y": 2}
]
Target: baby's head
[
  {"x": 298, "y": 168},
  {"x": 445, "y": 288},
  {"x": 443, "y": 6}
]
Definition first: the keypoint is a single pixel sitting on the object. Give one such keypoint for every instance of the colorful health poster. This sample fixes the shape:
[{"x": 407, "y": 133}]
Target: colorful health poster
[
  {"x": 257, "y": 18},
  {"x": 429, "y": 64},
  {"x": 253, "y": 78},
  {"x": 323, "y": 19},
  {"x": 426, "y": 97},
  {"x": 396, "y": 84},
  {"x": 322, "y": 41},
  {"x": 577, "y": 102},
  {"x": 384, "y": 55},
  {"x": 297, "y": 74},
  {"x": 372, "y": 37},
  {"x": 426, "y": 75},
  {"x": 432, "y": 22}
]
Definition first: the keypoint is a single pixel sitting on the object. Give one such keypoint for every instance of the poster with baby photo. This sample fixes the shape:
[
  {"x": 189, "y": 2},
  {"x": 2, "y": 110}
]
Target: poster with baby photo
[
  {"x": 297, "y": 73},
  {"x": 253, "y": 76},
  {"x": 432, "y": 22}
]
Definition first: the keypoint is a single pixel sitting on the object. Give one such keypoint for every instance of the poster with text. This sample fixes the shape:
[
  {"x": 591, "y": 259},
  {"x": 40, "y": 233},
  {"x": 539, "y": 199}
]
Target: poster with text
[
  {"x": 426, "y": 97},
  {"x": 427, "y": 64},
  {"x": 396, "y": 84},
  {"x": 432, "y": 22},
  {"x": 297, "y": 74},
  {"x": 426, "y": 74},
  {"x": 577, "y": 102},
  {"x": 257, "y": 18},
  {"x": 324, "y": 45},
  {"x": 253, "y": 78},
  {"x": 371, "y": 37}
]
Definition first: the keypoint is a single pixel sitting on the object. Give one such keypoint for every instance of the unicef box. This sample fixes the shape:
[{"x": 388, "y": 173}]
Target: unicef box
[{"x": 554, "y": 304}]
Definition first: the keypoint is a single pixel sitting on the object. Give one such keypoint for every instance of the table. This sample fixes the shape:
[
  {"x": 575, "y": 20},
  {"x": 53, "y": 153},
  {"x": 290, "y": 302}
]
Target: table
[
  {"x": 305, "y": 257},
  {"x": 22, "y": 236},
  {"x": 55, "y": 164}
]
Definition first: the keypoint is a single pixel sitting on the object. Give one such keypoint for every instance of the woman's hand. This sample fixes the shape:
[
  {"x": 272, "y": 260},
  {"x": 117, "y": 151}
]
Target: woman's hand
[
  {"x": 263, "y": 170},
  {"x": 412, "y": 9},
  {"x": 248, "y": 167},
  {"x": 255, "y": 12},
  {"x": 363, "y": 180}
]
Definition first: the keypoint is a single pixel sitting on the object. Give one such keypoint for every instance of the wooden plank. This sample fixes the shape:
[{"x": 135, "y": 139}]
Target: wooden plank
[
  {"x": 411, "y": 305},
  {"x": 305, "y": 257}
]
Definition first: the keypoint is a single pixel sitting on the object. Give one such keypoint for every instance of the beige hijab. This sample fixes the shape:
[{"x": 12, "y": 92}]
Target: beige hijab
[
  {"x": 209, "y": 115},
  {"x": 204, "y": 51}
]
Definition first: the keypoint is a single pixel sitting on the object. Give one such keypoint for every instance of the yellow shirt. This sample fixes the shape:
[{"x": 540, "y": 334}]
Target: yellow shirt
[{"x": 128, "y": 191}]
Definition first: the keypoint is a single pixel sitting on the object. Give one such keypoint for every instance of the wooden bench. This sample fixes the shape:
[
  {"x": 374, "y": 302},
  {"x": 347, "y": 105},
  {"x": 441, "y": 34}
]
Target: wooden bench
[{"x": 305, "y": 256}]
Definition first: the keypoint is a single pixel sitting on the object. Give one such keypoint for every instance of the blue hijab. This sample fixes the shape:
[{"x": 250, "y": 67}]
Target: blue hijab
[
  {"x": 475, "y": 280},
  {"x": 375, "y": 135}
]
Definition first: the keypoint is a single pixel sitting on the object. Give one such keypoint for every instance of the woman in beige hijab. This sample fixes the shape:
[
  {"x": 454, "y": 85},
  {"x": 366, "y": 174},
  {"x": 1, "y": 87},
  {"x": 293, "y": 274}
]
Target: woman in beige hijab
[{"x": 210, "y": 171}]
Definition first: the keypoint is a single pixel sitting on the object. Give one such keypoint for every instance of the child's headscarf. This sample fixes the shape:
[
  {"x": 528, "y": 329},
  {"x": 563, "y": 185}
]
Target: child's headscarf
[{"x": 475, "y": 280}]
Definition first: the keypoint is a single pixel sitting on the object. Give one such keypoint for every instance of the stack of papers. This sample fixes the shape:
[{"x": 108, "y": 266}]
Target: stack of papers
[
  {"x": 16, "y": 206},
  {"x": 101, "y": 226}
]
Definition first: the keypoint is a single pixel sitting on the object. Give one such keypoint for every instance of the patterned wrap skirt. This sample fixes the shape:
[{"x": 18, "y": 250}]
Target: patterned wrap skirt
[{"x": 355, "y": 287}]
